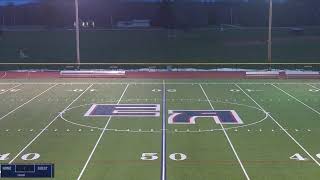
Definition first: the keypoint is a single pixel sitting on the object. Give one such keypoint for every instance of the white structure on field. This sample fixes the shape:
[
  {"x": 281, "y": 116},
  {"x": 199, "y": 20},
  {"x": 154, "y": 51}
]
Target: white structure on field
[{"x": 134, "y": 23}]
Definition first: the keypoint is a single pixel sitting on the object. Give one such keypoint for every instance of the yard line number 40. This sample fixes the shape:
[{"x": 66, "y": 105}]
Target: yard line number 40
[{"x": 299, "y": 157}]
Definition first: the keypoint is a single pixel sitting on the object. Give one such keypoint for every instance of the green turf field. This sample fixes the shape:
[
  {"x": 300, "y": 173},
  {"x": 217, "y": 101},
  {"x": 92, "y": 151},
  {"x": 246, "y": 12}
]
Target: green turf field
[
  {"x": 243, "y": 45},
  {"x": 44, "y": 122}
]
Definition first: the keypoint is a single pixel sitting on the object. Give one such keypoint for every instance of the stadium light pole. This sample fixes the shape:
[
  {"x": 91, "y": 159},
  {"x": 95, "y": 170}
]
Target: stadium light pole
[
  {"x": 76, "y": 3},
  {"x": 270, "y": 33}
]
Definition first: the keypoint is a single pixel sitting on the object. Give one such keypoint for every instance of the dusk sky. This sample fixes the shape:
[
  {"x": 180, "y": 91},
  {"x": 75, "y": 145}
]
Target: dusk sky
[{"x": 4, "y": 2}]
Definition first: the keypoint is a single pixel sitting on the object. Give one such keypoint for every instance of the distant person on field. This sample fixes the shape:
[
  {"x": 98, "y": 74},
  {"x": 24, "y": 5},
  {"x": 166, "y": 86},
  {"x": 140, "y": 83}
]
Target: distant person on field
[
  {"x": 93, "y": 24},
  {"x": 22, "y": 53},
  {"x": 221, "y": 28}
]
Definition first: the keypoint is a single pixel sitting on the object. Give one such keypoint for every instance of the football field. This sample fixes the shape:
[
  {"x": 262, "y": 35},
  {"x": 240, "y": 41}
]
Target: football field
[{"x": 128, "y": 129}]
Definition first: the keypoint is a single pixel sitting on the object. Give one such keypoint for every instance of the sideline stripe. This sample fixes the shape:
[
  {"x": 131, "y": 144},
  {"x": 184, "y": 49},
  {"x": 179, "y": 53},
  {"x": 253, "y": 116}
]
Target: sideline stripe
[
  {"x": 163, "y": 132},
  {"x": 48, "y": 125},
  {"x": 227, "y": 136},
  {"x": 296, "y": 99},
  {"x": 2, "y": 92},
  {"x": 158, "y": 83},
  {"x": 26, "y": 102},
  {"x": 281, "y": 127},
  {"x": 100, "y": 137}
]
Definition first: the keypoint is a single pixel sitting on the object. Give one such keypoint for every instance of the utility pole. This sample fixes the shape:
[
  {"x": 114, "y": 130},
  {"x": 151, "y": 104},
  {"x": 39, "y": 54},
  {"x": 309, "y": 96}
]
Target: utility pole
[
  {"x": 270, "y": 34},
  {"x": 231, "y": 15},
  {"x": 77, "y": 33}
]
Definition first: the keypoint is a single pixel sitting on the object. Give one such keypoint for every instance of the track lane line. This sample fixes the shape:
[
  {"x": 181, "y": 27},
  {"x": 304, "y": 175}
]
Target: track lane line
[
  {"x": 4, "y": 75},
  {"x": 296, "y": 99},
  {"x": 36, "y": 137},
  {"x": 274, "y": 120},
  {"x": 100, "y": 137},
  {"x": 227, "y": 136},
  {"x": 12, "y": 111}
]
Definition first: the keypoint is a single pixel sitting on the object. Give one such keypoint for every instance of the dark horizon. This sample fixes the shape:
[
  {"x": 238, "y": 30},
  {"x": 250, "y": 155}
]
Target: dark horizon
[{"x": 16, "y": 2}]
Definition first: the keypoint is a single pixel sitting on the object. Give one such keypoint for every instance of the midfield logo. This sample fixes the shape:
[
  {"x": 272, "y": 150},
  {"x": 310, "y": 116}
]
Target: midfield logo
[
  {"x": 129, "y": 110},
  {"x": 190, "y": 116},
  {"x": 153, "y": 110}
]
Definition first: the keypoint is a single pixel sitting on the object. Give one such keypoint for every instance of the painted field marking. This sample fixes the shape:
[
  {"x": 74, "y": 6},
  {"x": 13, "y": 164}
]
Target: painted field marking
[
  {"x": 281, "y": 127},
  {"x": 10, "y": 89},
  {"x": 163, "y": 132},
  {"x": 45, "y": 128},
  {"x": 159, "y": 83},
  {"x": 227, "y": 136},
  {"x": 3, "y": 76},
  {"x": 296, "y": 99},
  {"x": 314, "y": 87},
  {"x": 12, "y": 111},
  {"x": 100, "y": 137}
]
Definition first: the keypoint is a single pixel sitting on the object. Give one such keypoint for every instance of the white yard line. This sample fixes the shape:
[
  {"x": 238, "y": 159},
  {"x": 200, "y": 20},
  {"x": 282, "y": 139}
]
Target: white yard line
[
  {"x": 48, "y": 125},
  {"x": 163, "y": 140},
  {"x": 10, "y": 89},
  {"x": 296, "y": 99},
  {"x": 26, "y": 102},
  {"x": 280, "y": 126},
  {"x": 100, "y": 137},
  {"x": 227, "y": 136},
  {"x": 313, "y": 87}
]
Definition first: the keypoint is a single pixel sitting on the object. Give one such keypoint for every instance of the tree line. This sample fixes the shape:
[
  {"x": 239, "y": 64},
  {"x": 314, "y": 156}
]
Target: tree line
[{"x": 164, "y": 13}]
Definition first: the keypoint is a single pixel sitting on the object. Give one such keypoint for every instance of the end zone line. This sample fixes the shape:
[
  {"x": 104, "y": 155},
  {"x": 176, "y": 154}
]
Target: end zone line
[
  {"x": 100, "y": 137},
  {"x": 10, "y": 88},
  {"x": 48, "y": 125},
  {"x": 280, "y": 126},
  {"x": 227, "y": 136},
  {"x": 296, "y": 99},
  {"x": 12, "y": 111},
  {"x": 163, "y": 132}
]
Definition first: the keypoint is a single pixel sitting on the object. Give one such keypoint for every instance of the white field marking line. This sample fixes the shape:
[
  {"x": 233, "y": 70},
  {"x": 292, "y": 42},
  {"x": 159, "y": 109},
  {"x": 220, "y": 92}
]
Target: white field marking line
[
  {"x": 281, "y": 127},
  {"x": 313, "y": 87},
  {"x": 48, "y": 125},
  {"x": 227, "y": 136},
  {"x": 296, "y": 99},
  {"x": 10, "y": 89},
  {"x": 157, "y": 83},
  {"x": 163, "y": 143},
  {"x": 100, "y": 137},
  {"x": 12, "y": 111},
  {"x": 3, "y": 76}
]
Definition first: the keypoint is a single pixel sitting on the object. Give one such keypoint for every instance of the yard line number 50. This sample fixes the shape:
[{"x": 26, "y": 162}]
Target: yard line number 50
[{"x": 154, "y": 156}]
